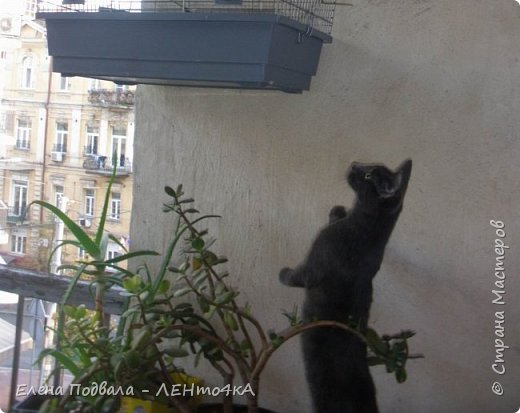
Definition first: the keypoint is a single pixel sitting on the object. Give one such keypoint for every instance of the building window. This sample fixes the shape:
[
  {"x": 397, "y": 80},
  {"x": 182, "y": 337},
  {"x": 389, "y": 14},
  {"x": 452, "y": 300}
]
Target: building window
[
  {"x": 64, "y": 83},
  {"x": 7, "y": 122},
  {"x": 115, "y": 206},
  {"x": 3, "y": 55},
  {"x": 58, "y": 195},
  {"x": 121, "y": 88},
  {"x": 62, "y": 131},
  {"x": 113, "y": 250},
  {"x": 30, "y": 8},
  {"x": 18, "y": 244},
  {"x": 23, "y": 134},
  {"x": 27, "y": 72},
  {"x": 118, "y": 147},
  {"x": 89, "y": 202},
  {"x": 92, "y": 141},
  {"x": 95, "y": 84},
  {"x": 81, "y": 254},
  {"x": 19, "y": 198}
]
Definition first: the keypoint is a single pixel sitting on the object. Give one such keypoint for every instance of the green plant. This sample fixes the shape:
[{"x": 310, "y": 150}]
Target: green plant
[
  {"x": 93, "y": 352},
  {"x": 189, "y": 305}
]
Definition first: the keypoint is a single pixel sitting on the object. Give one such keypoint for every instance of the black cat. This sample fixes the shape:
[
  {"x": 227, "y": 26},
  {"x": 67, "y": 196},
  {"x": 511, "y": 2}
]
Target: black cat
[{"x": 337, "y": 276}]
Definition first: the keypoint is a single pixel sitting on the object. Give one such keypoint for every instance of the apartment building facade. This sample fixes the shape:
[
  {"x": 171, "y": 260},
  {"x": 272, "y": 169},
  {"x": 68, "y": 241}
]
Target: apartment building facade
[{"x": 60, "y": 139}]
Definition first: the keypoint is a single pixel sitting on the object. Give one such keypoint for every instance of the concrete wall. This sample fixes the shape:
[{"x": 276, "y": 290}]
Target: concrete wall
[{"x": 437, "y": 81}]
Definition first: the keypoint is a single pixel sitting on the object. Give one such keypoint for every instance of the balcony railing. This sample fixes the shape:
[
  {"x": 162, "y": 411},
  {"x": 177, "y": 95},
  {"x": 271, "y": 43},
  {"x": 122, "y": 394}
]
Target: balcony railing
[
  {"x": 3, "y": 213},
  {"x": 105, "y": 165},
  {"x": 59, "y": 147},
  {"x": 16, "y": 215},
  {"x": 107, "y": 97},
  {"x": 23, "y": 144},
  {"x": 50, "y": 288},
  {"x": 90, "y": 150}
]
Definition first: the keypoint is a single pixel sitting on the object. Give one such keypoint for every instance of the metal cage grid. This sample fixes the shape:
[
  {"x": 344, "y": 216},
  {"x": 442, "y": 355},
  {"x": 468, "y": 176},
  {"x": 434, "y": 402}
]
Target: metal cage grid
[{"x": 315, "y": 14}]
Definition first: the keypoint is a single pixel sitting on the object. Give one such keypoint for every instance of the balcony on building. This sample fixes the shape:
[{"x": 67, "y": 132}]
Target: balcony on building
[
  {"x": 23, "y": 144},
  {"x": 104, "y": 165},
  {"x": 3, "y": 214},
  {"x": 16, "y": 214},
  {"x": 111, "y": 98},
  {"x": 245, "y": 44},
  {"x": 58, "y": 152}
]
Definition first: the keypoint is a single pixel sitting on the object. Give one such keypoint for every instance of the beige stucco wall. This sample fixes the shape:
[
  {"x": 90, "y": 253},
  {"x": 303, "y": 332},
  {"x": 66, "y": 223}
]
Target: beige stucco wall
[{"x": 437, "y": 81}]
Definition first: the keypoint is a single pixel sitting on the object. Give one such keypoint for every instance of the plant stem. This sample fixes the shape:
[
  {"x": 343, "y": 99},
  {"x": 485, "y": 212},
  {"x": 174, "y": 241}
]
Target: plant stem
[
  {"x": 80, "y": 380},
  {"x": 289, "y": 333},
  {"x": 252, "y": 399},
  {"x": 99, "y": 299},
  {"x": 227, "y": 402},
  {"x": 235, "y": 309},
  {"x": 181, "y": 405}
]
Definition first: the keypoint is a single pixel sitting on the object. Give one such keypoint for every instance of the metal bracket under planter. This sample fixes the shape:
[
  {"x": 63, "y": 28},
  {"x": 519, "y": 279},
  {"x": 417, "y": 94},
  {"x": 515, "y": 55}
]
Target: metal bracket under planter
[{"x": 230, "y": 50}]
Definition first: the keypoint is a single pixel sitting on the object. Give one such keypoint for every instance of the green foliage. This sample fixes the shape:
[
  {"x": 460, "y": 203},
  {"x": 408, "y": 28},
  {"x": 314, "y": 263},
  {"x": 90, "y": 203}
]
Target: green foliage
[
  {"x": 293, "y": 317},
  {"x": 105, "y": 272},
  {"x": 93, "y": 352},
  {"x": 390, "y": 351},
  {"x": 188, "y": 307}
]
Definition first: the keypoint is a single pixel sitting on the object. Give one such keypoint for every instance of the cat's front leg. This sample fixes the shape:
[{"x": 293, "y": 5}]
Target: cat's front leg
[{"x": 292, "y": 278}]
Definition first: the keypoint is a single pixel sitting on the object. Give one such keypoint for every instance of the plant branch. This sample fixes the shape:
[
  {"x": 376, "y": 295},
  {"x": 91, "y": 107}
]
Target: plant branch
[
  {"x": 291, "y": 332},
  {"x": 201, "y": 333},
  {"x": 179, "y": 404},
  {"x": 213, "y": 273}
]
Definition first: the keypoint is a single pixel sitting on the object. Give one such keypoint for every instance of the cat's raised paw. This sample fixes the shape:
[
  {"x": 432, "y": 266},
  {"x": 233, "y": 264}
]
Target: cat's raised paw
[
  {"x": 336, "y": 213},
  {"x": 285, "y": 275}
]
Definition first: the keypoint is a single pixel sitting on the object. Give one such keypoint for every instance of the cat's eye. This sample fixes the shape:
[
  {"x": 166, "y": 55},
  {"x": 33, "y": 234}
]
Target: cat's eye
[{"x": 368, "y": 176}]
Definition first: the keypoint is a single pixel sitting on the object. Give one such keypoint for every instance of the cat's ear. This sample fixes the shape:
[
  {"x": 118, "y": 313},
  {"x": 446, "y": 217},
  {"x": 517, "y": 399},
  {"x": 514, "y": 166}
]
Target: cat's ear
[{"x": 404, "y": 171}]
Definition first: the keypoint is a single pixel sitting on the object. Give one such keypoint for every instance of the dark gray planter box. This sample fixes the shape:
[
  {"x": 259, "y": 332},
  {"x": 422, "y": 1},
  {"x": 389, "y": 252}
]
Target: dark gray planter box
[{"x": 238, "y": 50}]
